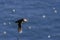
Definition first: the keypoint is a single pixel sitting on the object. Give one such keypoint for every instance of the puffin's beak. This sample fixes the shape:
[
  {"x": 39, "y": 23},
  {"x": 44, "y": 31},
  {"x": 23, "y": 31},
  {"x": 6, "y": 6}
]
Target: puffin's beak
[{"x": 25, "y": 20}]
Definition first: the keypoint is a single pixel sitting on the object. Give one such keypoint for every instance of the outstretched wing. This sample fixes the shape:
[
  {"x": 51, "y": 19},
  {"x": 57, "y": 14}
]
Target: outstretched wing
[{"x": 19, "y": 27}]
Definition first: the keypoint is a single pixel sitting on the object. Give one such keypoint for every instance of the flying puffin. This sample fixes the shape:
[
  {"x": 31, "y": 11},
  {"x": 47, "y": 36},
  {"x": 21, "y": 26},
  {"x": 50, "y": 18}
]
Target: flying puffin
[{"x": 19, "y": 22}]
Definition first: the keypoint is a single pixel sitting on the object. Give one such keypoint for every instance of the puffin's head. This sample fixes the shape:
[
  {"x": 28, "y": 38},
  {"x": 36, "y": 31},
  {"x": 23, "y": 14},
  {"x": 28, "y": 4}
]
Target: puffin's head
[{"x": 25, "y": 20}]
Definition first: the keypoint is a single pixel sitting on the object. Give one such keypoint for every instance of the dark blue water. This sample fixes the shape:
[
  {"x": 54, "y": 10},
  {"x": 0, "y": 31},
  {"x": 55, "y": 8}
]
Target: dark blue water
[{"x": 43, "y": 19}]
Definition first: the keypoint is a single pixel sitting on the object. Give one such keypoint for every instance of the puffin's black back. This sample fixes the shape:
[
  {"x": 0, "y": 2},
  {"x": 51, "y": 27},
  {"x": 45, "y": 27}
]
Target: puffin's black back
[{"x": 19, "y": 21}]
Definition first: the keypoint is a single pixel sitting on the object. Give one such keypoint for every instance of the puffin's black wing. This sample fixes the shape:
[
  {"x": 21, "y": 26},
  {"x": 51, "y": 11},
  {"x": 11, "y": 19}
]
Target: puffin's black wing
[
  {"x": 19, "y": 27},
  {"x": 19, "y": 21}
]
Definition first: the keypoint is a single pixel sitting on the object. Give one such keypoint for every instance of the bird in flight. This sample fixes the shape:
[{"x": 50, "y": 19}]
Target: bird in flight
[{"x": 19, "y": 22}]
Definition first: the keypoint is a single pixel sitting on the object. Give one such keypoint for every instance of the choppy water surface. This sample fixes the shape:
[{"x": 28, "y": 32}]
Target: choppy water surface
[{"x": 43, "y": 19}]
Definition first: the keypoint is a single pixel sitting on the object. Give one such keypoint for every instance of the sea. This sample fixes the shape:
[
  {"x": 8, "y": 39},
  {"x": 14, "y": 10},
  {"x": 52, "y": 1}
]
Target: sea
[{"x": 43, "y": 19}]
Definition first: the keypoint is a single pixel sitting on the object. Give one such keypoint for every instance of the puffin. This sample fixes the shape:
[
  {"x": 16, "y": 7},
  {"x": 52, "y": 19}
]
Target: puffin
[{"x": 19, "y": 23}]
